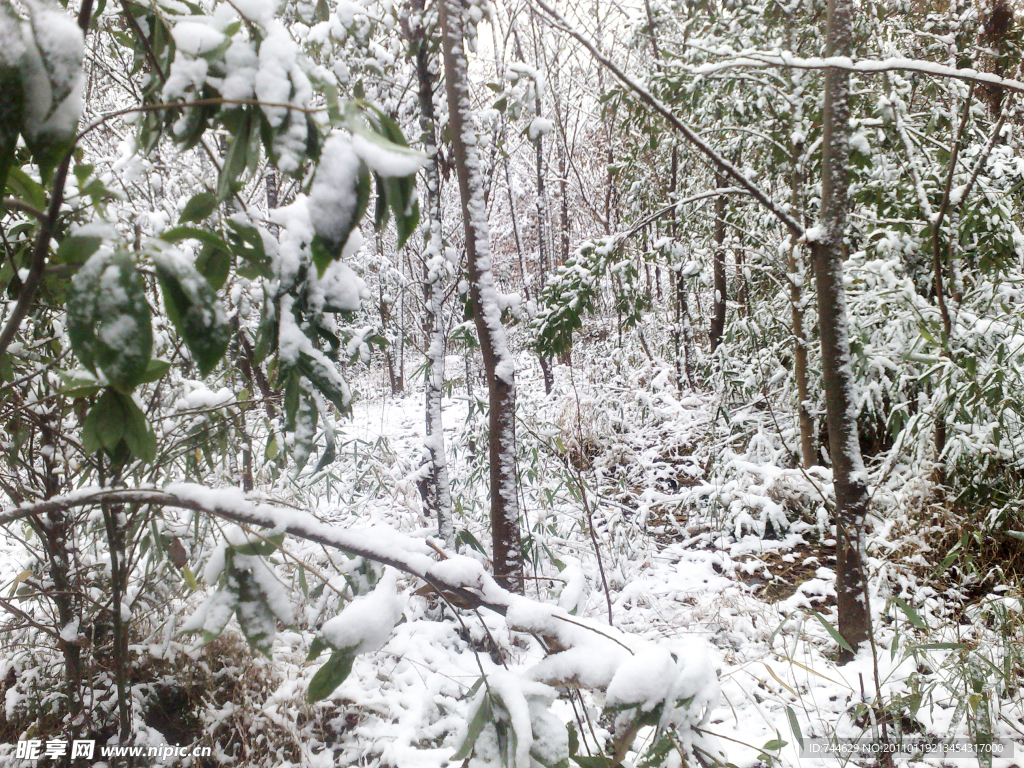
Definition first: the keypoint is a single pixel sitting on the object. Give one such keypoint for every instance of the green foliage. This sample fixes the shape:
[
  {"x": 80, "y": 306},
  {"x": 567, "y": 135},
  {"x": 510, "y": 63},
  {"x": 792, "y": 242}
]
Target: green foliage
[
  {"x": 109, "y": 319},
  {"x": 193, "y": 307},
  {"x": 574, "y": 290},
  {"x": 11, "y": 97},
  {"x": 115, "y": 418}
]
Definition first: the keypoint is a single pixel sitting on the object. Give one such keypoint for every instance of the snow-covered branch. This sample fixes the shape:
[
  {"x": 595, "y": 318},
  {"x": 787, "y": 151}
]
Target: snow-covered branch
[
  {"x": 460, "y": 579},
  {"x": 761, "y": 59}
]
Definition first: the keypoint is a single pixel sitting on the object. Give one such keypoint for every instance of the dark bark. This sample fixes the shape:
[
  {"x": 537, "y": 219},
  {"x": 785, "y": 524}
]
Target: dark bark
[
  {"x": 718, "y": 319},
  {"x": 849, "y": 477},
  {"x": 499, "y": 367}
]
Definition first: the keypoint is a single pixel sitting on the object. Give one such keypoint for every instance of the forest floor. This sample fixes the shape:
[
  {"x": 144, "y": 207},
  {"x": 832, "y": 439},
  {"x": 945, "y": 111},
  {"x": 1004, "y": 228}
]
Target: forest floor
[
  {"x": 700, "y": 535},
  {"x": 705, "y": 544}
]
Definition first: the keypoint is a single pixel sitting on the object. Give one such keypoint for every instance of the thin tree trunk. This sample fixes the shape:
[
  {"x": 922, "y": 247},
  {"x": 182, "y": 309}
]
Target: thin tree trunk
[
  {"x": 499, "y": 365},
  {"x": 438, "y": 487},
  {"x": 718, "y": 319},
  {"x": 515, "y": 232},
  {"x": 849, "y": 476},
  {"x": 112, "y": 517},
  {"x": 796, "y": 284},
  {"x": 563, "y": 192},
  {"x": 541, "y": 205},
  {"x": 542, "y": 215},
  {"x": 937, "y": 267},
  {"x": 681, "y": 330}
]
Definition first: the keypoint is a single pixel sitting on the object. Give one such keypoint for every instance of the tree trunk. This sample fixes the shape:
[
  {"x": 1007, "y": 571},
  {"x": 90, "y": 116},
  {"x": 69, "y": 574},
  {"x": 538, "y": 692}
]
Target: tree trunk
[
  {"x": 682, "y": 333},
  {"x": 542, "y": 215},
  {"x": 499, "y": 365},
  {"x": 438, "y": 497},
  {"x": 796, "y": 285},
  {"x": 542, "y": 210},
  {"x": 718, "y": 320},
  {"x": 848, "y": 473}
]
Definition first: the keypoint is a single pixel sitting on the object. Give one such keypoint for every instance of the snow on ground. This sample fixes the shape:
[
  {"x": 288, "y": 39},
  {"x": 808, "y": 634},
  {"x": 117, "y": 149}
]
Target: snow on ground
[
  {"x": 688, "y": 564},
  {"x": 708, "y": 545}
]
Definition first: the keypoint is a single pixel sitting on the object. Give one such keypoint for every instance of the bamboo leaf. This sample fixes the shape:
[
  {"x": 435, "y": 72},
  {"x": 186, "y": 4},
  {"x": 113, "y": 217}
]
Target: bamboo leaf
[
  {"x": 840, "y": 640},
  {"x": 330, "y": 675}
]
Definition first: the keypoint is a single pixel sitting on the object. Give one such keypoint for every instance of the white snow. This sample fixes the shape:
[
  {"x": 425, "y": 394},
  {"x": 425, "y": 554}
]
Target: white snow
[
  {"x": 540, "y": 126},
  {"x": 384, "y": 161},
  {"x": 366, "y": 623},
  {"x": 196, "y": 38},
  {"x": 332, "y": 199},
  {"x": 51, "y": 73}
]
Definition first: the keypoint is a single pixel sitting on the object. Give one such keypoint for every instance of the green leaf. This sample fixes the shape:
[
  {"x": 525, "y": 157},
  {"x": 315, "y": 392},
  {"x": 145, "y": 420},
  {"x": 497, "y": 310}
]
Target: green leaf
[
  {"x": 214, "y": 264},
  {"x": 24, "y": 187},
  {"x": 795, "y": 725},
  {"x": 911, "y": 614},
  {"x": 292, "y": 392},
  {"x": 480, "y": 718},
  {"x": 138, "y": 436},
  {"x": 199, "y": 207},
  {"x": 260, "y": 547},
  {"x": 317, "y": 647},
  {"x": 324, "y": 379},
  {"x": 109, "y": 319},
  {"x": 329, "y": 455},
  {"x": 598, "y": 761},
  {"x": 190, "y": 579},
  {"x": 330, "y": 675},
  {"x": 774, "y": 745},
  {"x": 77, "y": 249},
  {"x": 235, "y": 160},
  {"x": 466, "y": 538},
  {"x": 392, "y": 139},
  {"x": 113, "y": 418},
  {"x": 833, "y": 632},
  {"x": 658, "y": 752},
  {"x": 155, "y": 370},
  {"x": 331, "y": 244},
  {"x": 177, "y": 234},
  {"x": 104, "y": 426},
  {"x": 194, "y": 309},
  {"x": 220, "y": 606},
  {"x": 938, "y": 647},
  {"x": 323, "y": 253},
  {"x": 12, "y": 101},
  {"x": 47, "y": 61},
  {"x": 401, "y": 197},
  {"x": 78, "y": 386}
]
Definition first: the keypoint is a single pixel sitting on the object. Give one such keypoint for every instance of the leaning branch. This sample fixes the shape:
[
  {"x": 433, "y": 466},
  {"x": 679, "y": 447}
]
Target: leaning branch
[{"x": 555, "y": 19}]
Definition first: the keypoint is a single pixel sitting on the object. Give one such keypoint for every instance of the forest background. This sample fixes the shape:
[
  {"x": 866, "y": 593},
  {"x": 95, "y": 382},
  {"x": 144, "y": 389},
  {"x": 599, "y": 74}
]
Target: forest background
[{"x": 504, "y": 384}]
